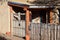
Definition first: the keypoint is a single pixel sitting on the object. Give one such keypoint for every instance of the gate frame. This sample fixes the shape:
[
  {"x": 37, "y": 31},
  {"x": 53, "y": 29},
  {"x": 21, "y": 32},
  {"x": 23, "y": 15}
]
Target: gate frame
[
  {"x": 27, "y": 21},
  {"x": 27, "y": 9}
]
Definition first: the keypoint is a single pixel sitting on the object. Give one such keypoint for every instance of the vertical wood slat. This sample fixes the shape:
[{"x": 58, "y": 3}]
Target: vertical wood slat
[
  {"x": 58, "y": 33},
  {"x": 55, "y": 32},
  {"x": 50, "y": 33}
]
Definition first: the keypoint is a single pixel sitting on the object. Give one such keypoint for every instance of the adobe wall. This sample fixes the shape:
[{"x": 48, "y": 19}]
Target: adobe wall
[
  {"x": 4, "y": 18},
  {"x": 23, "y": 1}
]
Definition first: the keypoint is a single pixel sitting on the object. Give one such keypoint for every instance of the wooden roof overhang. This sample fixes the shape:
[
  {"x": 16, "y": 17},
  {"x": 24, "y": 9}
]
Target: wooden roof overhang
[{"x": 30, "y": 7}]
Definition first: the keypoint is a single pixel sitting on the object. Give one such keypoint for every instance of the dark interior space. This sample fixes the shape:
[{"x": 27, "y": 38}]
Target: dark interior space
[
  {"x": 18, "y": 9},
  {"x": 36, "y": 13},
  {"x": 41, "y": 14},
  {"x": 22, "y": 17}
]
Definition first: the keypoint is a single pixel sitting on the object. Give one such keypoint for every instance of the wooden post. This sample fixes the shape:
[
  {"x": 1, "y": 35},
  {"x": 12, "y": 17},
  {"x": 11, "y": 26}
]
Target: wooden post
[
  {"x": 51, "y": 17},
  {"x": 11, "y": 21},
  {"x": 54, "y": 18},
  {"x": 9, "y": 33},
  {"x": 27, "y": 23}
]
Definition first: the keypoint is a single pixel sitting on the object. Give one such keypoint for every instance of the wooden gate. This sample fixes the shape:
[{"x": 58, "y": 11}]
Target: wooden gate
[
  {"x": 44, "y": 31},
  {"x": 19, "y": 24},
  {"x": 41, "y": 29}
]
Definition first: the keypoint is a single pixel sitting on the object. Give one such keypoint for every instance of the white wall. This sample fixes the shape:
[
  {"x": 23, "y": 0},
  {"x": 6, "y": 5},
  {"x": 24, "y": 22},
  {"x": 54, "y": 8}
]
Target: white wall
[
  {"x": 19, "y": 1},
  {"x": 4, "y": 18}
]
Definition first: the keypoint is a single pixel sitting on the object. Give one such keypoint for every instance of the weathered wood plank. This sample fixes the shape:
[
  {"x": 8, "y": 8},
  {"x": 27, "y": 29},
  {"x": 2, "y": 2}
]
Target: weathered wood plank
[{"x": 44, "y": 31}]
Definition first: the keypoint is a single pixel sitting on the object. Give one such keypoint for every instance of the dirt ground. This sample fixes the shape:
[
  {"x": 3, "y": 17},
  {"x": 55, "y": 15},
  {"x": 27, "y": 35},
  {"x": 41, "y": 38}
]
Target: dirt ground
[
  {"x": 5, "y": 37},
  {"x": 16, "y": 38}
]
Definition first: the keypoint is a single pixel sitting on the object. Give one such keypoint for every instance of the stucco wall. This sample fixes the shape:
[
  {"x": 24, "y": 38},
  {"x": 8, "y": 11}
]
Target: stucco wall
[
  {"x": 4, "y": 18},
  {"x": 24, "y": 1}
]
